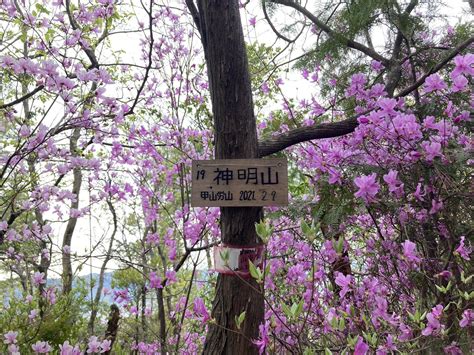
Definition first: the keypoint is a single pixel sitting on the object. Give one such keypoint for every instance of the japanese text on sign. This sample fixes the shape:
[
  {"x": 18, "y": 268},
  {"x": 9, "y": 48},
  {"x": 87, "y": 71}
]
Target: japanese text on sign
[{"x": 239, "y": 182}]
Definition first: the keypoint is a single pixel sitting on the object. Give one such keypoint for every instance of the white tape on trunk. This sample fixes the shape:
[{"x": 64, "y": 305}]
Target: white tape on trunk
[{"x": 235, "y": 260}]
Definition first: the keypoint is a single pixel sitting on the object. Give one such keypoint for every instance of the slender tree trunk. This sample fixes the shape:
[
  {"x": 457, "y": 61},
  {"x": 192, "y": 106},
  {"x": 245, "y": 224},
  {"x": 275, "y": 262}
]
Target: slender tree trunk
[
  {"x": 162, "y": 320},
  {"x": 100, "y": 286},
  {"x": 235, "y": 137},
  {"x": 112, "y": 326},
  {"x": 71, "y": 224},
  {"x": 45, "y": 259}
]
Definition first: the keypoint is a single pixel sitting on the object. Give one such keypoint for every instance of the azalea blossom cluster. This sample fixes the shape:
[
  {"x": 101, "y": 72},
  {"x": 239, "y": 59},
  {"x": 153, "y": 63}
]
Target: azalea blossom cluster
[{"x": 395, "y": 166}]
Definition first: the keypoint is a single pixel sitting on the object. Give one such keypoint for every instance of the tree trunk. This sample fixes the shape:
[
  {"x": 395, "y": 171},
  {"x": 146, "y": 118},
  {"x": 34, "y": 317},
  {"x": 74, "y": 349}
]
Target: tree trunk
[
  {"x": 100, "y": 286},
  {"x": 71, "y": 224},
  {"x": 112, "y": 326},
  {"x": 235, "y": 137}
]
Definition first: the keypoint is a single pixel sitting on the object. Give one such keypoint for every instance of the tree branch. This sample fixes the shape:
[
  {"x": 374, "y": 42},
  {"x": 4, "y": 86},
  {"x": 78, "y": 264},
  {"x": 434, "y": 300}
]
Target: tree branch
[
  {"x": 337, "y": 129},
  {"x": 395, "y": 68},
  {"x": 277, "y": 33},
  {"x": 437, "y": 67},
  {"x": 304, "y": 134},
  {"x": 195, "y": 14},
  {"x": 23, "y": 98},
  {"x": 150, "y": 61},
  {"x": 334, "y": 35},
  {"x": 75, "y": 26}
]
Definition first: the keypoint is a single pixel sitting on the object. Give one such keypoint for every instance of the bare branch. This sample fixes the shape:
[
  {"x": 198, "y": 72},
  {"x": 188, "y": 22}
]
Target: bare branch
[
  {"x": 195, "y": 14},
  {"x": 334, "y": 35},
  {"x": 23, "y": 98},
  {"x": 150, "y": 60},
  {"x": 304, "y": 134},
  {"x": 277, "y": 33},
  {"x": 395, "y": 72}
]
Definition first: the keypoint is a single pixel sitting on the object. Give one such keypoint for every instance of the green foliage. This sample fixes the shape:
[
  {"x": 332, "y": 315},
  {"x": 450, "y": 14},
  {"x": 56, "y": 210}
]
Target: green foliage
[{"x": 66, "y": 319}]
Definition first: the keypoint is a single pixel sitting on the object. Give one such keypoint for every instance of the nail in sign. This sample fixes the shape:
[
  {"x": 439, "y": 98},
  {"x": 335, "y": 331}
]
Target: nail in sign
[{"x": 239, "y": 183}]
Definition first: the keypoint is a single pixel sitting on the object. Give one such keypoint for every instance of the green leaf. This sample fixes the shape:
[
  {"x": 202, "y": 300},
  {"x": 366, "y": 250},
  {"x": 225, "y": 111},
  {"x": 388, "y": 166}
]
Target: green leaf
[
  {"x": 254, "y": 271},
  {"x": 294, "y": 307},
  {"x": 286, "y": 309},
  {"x": 466, "y": 280},
  {"x": 260, "y": 229},
  {"x": 305, "y": 228},
  {"x": 342, "y": 324},
  {"x": 239, "y": 319},
  {"x": 299, "y": 309}
]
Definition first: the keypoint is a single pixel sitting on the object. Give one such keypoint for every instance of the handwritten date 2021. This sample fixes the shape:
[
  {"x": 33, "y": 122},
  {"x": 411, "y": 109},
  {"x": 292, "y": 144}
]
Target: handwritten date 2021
[{"x": 250, "y": 196}]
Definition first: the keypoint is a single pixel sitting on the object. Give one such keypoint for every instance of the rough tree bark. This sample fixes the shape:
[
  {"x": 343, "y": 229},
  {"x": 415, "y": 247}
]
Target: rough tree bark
[
  {"x": 112, "y": 326},
  {"x": 235, "y": 137}
]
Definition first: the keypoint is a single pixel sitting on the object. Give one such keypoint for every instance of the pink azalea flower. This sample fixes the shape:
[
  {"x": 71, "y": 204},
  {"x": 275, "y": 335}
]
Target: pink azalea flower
[
  {"x": 395, "y": 186},
  {"x": 264, "y": 340},
  {"x": 13, "y": 349},
  {"x": 155, "y": 281},
  {"x": 41, "y": 347},
  {"x": 356, "y": 87},
  {"x": 305, "y": 73},
  {"x": 467, "y": 318},
  {"x": 50, "y": 295},
  {"x": 445, "y": 274},
  {"x": 344, "y": 282},
  {"x": 105, "y": 345},
  {"x": 33, "y": 314},
  {"x": 121, "y": 296},
  {"x": 368, "y": 187},
  {"x": 419, "y": 193},
  {"x": 409, "y": 251},
  {"x": 253, "y": 21},
  {"x": 171, "y": 276},
  {"x": 406, "y": 333},
  {"x": 10, "y": 337},
  {"x": 387, "y": 105},
  {"x": 452, "y": 349},
  {"x": 432, "y": 150},
  {"x": 376, "y": 65},
  {"x": 433, "y": 320},
  {"x": 464, "y": 65},
  {"x": 388, "y": 348},
  {"x": 434, "y": 83},
  {"x": 67, "y": 349},
  {"x": 459, "y": 83},
  {"x": 264, "y": 87},
  {"x": 463, "y": 251},
  {"x": 134, "y": 310},
  {"x": 24, "y": 131},
  {"x": 361, "y": 348},
  {"x": 38, "y": 278},
  {"x": 436, "y": 206},
  {"x": 200, "y": 309},
  {"x": 93, "y": 346}
]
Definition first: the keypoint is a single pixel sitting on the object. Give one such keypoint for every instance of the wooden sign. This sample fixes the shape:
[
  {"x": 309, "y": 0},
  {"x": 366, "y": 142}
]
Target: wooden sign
[{"x": 239, "y": 183}]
